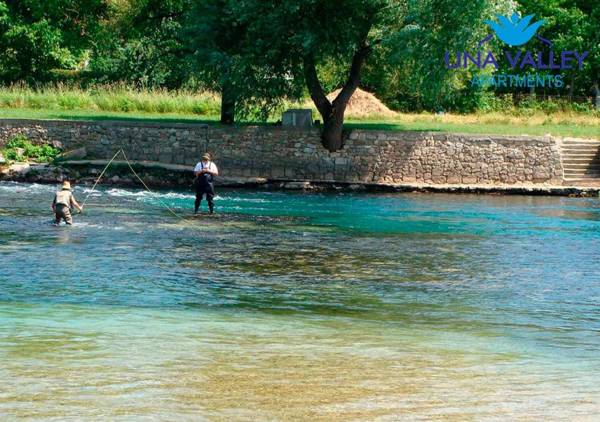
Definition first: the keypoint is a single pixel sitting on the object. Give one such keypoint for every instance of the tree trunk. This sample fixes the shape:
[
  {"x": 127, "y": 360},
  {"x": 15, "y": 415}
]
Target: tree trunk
[
  {"x": 227, "y": 104},
  {"x": 333, "y": 112},
  {"x": 333, "y": 126},
  {"x": 597, "y": 92}
]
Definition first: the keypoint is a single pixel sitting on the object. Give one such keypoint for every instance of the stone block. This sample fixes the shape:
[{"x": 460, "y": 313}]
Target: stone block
[
  {"x": 541, "y": 175},
  {"x": 278, "y": 172},
  {"x": 165, "y": 157},
  {"x": 297, "y": 185},
  {"x": 297, "y": 118}
]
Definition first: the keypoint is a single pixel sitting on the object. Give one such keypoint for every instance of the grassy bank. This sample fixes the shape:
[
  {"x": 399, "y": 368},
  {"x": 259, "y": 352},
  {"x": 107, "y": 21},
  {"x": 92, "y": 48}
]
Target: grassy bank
[
  {"x": 108, "y": 100},
  {"x": 558, "y": 124},
  {"x": 575, "y": 126},
  {"x": 123, "y": 103}
]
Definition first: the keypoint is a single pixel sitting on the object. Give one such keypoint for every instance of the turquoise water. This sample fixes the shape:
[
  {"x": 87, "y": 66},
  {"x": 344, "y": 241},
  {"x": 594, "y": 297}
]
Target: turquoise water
[{"x": 290, "y": 306}]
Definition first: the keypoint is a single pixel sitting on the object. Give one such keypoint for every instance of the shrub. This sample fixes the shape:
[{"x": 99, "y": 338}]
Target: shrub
[
  {"x": 19, "y": 148},
  {"x": 489, "y": 102}
]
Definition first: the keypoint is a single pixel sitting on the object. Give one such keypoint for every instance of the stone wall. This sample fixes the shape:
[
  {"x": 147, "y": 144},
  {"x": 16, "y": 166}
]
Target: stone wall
[{"x": 380, "y": 157}]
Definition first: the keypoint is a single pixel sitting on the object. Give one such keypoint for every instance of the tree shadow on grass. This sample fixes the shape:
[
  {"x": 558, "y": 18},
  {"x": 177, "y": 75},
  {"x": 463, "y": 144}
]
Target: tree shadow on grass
[
  {"x": 75, "y": 116},
  {"x": 390, "y": 127}
]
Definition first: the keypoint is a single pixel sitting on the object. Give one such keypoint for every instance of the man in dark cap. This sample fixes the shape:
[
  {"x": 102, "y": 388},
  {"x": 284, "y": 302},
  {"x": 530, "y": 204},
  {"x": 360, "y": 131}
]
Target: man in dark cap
[{"x": 205, "y": 171}]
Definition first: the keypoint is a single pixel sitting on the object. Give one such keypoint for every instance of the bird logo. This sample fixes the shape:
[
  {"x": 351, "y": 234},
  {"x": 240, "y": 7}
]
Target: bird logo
[{"x": 515, "y": 30}]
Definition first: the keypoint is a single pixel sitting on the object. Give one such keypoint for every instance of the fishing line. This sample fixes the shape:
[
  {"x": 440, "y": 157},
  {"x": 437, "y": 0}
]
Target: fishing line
[
  {"x": 148, "y": 189},
  {"x": 99, "y": 177},
  {"x": 121, "y": 151}
]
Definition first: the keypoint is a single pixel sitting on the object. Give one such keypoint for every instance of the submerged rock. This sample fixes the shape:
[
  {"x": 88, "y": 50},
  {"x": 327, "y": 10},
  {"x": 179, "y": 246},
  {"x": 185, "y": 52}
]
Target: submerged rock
[
  {"x": 19, "y": 168},
  {"x": 75, "y": 154},
  {"x": 297, "y": 185},
  {"x": 34, "y": 172}
]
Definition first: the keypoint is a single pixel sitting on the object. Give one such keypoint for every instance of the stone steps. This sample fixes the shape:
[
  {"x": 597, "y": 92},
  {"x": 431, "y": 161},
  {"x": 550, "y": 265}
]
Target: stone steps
[
  {"x": 581, "y": 150},
  {"x": 579, "y": 174},
  {"x": 579, "y": 155},
  {"x": 581, "y": 160},
  {"x": 580, "y": 144}
]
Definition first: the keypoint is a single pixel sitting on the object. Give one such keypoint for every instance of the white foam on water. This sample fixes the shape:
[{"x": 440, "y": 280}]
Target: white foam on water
[
  {"x": 118, "y": 192},
  {"x": 125, "y": 193},
  {"x": 89, "y": 190},
  {"x": 17, "y": 187},
  {"x": 175, "y": 195},
  {"x": 83, "y": 224},
  {"x": 252, "y": 200}
]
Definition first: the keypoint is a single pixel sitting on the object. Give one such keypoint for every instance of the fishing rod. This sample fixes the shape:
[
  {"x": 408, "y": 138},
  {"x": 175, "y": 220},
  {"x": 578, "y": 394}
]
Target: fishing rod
[{"x": 121, "y": 151}]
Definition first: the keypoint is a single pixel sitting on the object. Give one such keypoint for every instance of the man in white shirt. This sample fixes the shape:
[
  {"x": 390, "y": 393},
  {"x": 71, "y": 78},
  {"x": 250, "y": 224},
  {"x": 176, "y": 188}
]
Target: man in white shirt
[{"x": 204, "y": 171}]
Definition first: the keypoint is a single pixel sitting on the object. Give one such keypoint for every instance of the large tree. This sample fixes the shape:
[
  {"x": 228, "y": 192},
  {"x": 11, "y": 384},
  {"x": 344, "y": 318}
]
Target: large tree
[
  {"x": 594, "y": 34},
  {"x": 408, "y": 71},
  {"x": 570, "y": 25},
  {"x": 397, "y": 37},
  {"x": 141, "y": 44},
  {"x": 230, "y": 55},
  {"x": 214, "y": 38},
  {"x": 37, "y": 36},
  {"x": 308, "y": 33},
  {"x": 333, "y": 30}
]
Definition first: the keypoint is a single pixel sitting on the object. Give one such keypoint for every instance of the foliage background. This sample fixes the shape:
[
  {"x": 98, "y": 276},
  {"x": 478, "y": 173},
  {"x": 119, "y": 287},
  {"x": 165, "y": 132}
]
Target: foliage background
[{"x": 218, "y": 44}]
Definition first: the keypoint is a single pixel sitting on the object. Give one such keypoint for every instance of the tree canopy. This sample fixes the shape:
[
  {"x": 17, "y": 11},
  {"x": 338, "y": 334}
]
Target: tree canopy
[
  {"x": 257, "y": 53},
  {"x": 39, "y": 36}
]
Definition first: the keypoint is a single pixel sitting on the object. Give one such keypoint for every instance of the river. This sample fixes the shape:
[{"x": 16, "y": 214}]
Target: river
[{"x": 292, "y": 306}]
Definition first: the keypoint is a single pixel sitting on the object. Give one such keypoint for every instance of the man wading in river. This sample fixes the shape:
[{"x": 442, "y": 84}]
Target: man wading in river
[
  {"x": 204, "y": 171},
  {"x": 62, "y": 204}
]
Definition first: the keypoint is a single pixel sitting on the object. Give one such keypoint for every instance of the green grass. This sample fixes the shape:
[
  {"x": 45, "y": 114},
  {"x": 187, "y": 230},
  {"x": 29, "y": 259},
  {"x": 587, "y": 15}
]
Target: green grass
[
  {"x": 110, "y": 99},
  {"x": 575, "y": 127},
  {"x": 26, "y": 113},
  {"x": 557, "y": 129},
  {"x": 119, "y": 102}
]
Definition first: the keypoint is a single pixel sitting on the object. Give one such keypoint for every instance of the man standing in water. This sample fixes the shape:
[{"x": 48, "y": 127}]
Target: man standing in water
[
  {"x": 204, "y": 171},
  {"x": 62, "y": 204}
]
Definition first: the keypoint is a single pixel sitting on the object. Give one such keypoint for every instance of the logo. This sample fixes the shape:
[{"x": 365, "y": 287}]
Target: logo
[{"x": 516, "y": 31}]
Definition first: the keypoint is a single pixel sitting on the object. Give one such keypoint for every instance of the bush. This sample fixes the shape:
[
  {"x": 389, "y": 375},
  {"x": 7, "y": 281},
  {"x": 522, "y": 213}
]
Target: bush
[
  {"x": 489, "y": 102},
  {"x": 19, "y": 148}
]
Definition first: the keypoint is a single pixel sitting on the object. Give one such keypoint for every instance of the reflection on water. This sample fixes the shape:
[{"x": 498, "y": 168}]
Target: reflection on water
[{"x": 288, "y": 306}]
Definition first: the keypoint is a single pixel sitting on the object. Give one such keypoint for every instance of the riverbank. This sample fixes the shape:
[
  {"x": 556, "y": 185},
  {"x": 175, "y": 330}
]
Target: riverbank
[
  {"x": 86, "y": 172},
  {"x": 275, "y": 157},
  {"x": 280, "y": 153}
]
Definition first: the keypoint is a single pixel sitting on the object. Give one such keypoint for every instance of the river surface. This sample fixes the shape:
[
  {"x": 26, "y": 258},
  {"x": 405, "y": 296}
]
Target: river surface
[{"x": 291, "y": 306}]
